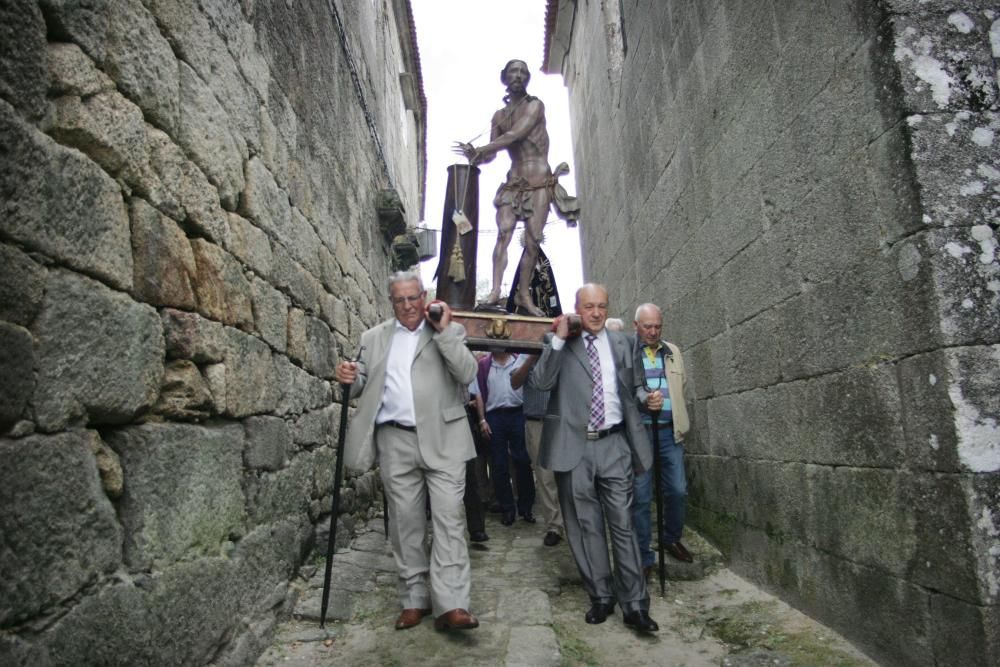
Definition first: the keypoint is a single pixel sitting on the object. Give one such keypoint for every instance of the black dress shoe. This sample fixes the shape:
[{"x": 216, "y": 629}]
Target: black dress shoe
[
  {"x": 478, "y": 536},
  {"x": 677, "y": 550},
  {"x": 599, "y": 612},
  {"x": 507, "y": 519},
  {"x": 529, "y": 517},
  {"x": 552, "y": 538},
  {"x": 640, "y": 620}
]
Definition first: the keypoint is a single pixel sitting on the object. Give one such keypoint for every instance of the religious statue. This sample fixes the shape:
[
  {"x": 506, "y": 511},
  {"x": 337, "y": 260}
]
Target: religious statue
[{"x": 531, "y": 186}]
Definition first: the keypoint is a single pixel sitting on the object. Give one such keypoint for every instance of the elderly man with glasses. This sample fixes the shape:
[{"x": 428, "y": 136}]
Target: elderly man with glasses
[{"x": 411, "y": 378}]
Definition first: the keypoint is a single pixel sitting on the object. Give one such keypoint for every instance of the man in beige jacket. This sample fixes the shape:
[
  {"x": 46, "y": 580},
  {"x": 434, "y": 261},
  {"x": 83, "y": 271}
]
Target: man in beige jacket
[
  {"x": 663, "y": 386},
  {"x": 411, "y": 379}
]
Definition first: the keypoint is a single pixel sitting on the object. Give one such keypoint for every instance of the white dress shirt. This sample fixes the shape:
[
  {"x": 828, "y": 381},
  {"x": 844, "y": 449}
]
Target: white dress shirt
[
  {"x": 612, "y": 403},
  {"x": 397, "y": 395}
]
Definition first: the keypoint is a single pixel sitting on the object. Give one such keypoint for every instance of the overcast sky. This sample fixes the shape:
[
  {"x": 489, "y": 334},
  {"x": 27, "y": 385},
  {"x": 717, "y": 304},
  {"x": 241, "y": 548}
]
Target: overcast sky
[{"x": 463, "y": 46}]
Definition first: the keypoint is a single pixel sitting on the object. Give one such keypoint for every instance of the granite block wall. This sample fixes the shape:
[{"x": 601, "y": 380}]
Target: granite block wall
[
  {"x": 810, "y": 191},
  {"x": 188, "y": 240}
]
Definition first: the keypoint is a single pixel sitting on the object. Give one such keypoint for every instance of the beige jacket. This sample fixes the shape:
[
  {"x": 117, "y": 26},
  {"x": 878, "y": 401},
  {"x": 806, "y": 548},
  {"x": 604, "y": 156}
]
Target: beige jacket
[
  {"x": 677, "y": 388},
  {"x": 442, "y": 369}
]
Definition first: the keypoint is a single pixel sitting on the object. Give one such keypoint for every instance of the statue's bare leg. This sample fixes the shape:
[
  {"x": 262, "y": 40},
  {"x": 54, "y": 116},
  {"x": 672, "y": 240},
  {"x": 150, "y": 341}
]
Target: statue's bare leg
[
  {"x": 505, "y": 232},
  {"x": 532, "y": 239}
]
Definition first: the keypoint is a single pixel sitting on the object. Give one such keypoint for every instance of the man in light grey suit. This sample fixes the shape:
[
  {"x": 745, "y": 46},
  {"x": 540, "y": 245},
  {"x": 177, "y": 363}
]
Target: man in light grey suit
[
  {"x": 592, "y": 438},
  {"x": 411, "y": 380}
]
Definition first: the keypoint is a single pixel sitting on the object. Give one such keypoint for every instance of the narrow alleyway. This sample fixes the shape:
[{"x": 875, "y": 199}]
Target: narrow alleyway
[{"x": 530, "y": 604}]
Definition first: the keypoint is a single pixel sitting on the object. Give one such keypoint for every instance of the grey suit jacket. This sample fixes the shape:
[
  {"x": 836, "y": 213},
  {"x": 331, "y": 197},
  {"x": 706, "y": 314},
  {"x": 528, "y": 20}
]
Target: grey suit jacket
[
  {"x": 566, "y": 374},
  {"x": 442, "y": 369}
]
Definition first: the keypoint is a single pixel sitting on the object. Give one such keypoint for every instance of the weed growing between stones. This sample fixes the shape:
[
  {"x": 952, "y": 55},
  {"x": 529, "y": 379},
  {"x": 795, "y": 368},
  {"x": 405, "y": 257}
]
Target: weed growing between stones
[
  {"x": 754, "y": 625},
  {"x": 378, "y": 605},
  {"x": 575, "y": 652}
]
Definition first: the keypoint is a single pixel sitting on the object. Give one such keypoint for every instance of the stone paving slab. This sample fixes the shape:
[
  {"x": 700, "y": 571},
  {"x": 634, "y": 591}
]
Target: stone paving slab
[{"x": 530, "y": 603}]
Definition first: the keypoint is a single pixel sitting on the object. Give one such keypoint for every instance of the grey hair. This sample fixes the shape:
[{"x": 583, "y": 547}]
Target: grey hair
[
  {"x": 651, "y": 306},
  {"x": 614, "y": 324},
  {"x": 405, "y": 277},
  {"x": 591, "y": 286}
]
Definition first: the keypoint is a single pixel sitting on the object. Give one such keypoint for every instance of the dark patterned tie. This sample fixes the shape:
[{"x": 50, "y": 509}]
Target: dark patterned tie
[{"x": 597, "y": 393}]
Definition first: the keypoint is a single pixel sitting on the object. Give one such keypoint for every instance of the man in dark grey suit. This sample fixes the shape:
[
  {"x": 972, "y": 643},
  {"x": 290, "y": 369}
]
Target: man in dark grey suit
[{"x": 592, "y": 438}]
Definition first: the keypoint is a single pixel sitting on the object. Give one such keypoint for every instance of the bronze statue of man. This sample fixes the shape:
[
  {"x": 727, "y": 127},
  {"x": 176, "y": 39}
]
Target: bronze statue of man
[{"x": 531, "y": 186}]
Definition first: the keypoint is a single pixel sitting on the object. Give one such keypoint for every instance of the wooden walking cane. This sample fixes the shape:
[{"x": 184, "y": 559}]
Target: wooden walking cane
[{"x": 345, "y": 390}]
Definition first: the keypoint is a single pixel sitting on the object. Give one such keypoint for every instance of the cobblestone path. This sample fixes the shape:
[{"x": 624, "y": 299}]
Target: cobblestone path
[{"x": 530, "y": 604}]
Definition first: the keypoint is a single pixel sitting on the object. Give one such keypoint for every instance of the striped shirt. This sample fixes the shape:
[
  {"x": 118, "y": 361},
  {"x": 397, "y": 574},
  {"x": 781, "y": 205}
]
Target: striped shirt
[{"x": 655, "y": 378}]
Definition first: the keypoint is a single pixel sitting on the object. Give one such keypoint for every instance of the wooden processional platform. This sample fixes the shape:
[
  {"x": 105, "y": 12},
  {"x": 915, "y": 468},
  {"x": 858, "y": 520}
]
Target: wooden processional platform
[{"x": 485, "y": 330}]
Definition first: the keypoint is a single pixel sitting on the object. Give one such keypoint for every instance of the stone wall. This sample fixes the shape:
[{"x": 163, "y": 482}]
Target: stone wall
[
  {"x": 810, "y": 190},
  {"x": 188, "y": 236}
]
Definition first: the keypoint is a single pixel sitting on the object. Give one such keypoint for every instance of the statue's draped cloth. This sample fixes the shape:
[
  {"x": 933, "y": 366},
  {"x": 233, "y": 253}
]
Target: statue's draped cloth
[{"x": 518, "y": 191}]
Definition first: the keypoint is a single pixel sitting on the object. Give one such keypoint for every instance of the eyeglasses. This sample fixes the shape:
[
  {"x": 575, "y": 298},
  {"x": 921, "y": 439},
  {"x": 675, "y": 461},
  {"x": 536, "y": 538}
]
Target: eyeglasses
[{"x": 400, "y": 300}]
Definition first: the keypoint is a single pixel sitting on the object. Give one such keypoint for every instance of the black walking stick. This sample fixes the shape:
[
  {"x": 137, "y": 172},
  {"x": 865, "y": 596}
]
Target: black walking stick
[
  {"x": 661, "y": 565},
  {"x": 655, "y": 414},
  {"x": 385, "y": 512},
  {"x": 345, "y": 390}
]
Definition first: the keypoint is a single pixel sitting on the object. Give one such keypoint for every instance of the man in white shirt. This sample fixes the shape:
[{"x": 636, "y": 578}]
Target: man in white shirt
[
  {"x": 411, "y": 380},
  {"x": 500, "y": 377}
]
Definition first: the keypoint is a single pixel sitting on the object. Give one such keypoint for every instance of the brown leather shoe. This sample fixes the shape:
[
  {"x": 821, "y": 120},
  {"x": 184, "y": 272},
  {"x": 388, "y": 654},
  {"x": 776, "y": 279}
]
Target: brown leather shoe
[
  {"x": 456, "y": 619},
  {"x": 410, "y": 617},
  {"x": 677, "y": 550}
]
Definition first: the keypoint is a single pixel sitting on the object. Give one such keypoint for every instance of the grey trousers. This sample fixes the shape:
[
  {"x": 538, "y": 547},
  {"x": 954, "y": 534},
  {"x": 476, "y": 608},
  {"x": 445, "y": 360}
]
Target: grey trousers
[
  {"x": 599, "y": 489},
  {"x": 439, "y": 579}
]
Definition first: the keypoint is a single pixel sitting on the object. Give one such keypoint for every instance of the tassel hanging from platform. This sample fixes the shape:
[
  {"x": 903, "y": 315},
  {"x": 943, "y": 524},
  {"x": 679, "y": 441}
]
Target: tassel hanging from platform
[{"x": 456, "y": 266}]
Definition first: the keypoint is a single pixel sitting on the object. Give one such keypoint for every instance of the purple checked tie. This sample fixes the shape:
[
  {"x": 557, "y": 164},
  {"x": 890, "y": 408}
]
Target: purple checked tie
[{"x": 597, "y": 393}]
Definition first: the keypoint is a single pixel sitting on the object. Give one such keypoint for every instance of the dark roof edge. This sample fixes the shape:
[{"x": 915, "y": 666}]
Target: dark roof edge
[
  {"x": 551, "y": 12},
  {"x": 411, "y": 54}
]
